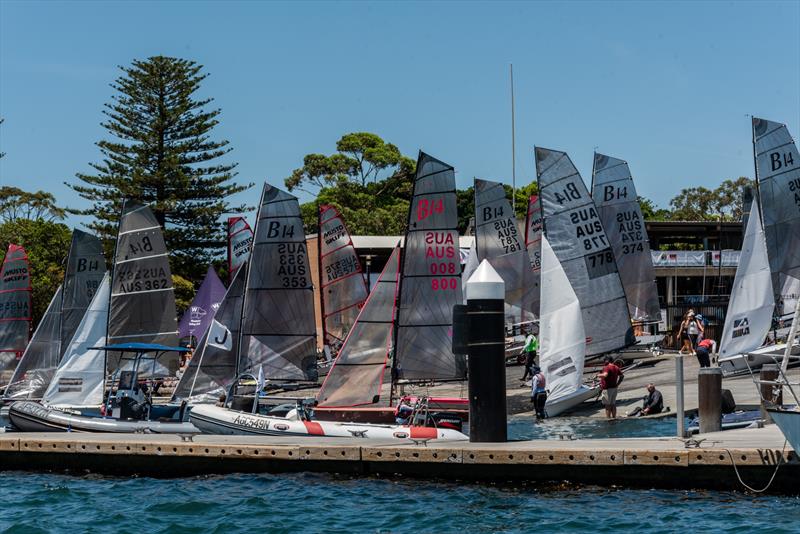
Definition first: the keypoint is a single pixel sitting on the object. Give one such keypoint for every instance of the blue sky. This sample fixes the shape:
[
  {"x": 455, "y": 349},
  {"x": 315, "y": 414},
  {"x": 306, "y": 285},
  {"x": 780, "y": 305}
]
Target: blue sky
[{"x": 666, "y": 86}]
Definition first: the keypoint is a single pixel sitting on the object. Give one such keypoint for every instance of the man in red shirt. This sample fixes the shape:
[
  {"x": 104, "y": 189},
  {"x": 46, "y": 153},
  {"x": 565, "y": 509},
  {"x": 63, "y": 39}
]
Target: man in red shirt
[{"x": 610, "y": 378}]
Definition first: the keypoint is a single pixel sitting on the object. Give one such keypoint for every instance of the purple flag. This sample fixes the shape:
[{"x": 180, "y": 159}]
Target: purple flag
[{"x": 197, "y": 318}]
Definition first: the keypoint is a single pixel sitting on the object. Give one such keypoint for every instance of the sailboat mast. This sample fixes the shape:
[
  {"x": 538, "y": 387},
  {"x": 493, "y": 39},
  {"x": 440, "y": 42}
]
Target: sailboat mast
[
  {"x": 513, "y": 146},
  {"x": 319, "y": 278}
]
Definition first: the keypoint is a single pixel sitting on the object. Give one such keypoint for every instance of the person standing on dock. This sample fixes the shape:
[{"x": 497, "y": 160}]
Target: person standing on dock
[
  {"x": 703, "y": 350},
  {"x": 538, "y": 392},
  {"x": 610, "y": 378},
  {"x": 530, "y": 349}
]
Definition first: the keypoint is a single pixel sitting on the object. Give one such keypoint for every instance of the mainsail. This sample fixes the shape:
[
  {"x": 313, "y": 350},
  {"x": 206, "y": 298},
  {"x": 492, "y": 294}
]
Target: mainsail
[
  {"x": 213, "y": 366},
  {"x": 561, "y": 331},
  {"x": 430, "y": 282},
  {"x": 342, "y": 286},
  {"x": 575, "y": 231},
  {"x": 85, "y": 270},
  {"x": 497, "y": 240},
  {"x": 749, "y": 314},
  {"x": 615, "y": 197},
  {"x": 278, "y": 328},
  {"x": 80, "y": 378},
  {"x": 778, "y": 175},
  {"x": 240, "y": 241},
  {"x": 15, "y": 308},
  {"x": 39, "y": 362},
  {"x": 142, "y": 308},
  {"x": 197, "y": 318},
  {"x": 357, "y": 373},
  {"x": 533, "y": 243}
]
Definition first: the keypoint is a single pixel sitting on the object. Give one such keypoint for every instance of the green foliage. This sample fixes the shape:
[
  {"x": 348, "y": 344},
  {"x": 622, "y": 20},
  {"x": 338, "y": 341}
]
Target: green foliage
[
  {"x": 184, "y": 293},
  {"x": 47, "y": 244},
  {"x": 18, "y": 204},
  {"x": 161, "y": 153},
  {"x": 701, "y": 204},
  {"x": 651, "y": 212}
]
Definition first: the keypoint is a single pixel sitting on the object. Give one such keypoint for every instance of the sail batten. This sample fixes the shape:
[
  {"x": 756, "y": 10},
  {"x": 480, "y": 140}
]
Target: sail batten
[
  {"x": 430, "y": 282},
  {"x": 614, "y": 194},
  {"x": 576, "y": 234}
]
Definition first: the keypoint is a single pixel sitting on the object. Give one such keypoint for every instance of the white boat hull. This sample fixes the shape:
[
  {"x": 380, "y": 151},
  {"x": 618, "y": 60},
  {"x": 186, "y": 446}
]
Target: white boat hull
[
  {"x": 789, "y": 423},
  {"x": 216, "y": 420},
  {"x": 565, "y": 403},
  {"x": 742, "y": 363}
]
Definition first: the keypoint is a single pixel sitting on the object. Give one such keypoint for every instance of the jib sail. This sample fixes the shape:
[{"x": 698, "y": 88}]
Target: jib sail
[
  {"x": 575, "y": 231},
  {"x": 615, "y": 197}
]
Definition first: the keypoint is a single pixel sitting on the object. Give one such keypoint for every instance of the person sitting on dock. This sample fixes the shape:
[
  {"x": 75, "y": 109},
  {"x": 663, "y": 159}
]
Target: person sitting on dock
[
  {"x": 703, "y": 352},
  {"x": 538, "y": 392},
  {"x": 529, "y": 349},
  {"x": 653, "y": 402},
  {"x": 610, "y": 379}
]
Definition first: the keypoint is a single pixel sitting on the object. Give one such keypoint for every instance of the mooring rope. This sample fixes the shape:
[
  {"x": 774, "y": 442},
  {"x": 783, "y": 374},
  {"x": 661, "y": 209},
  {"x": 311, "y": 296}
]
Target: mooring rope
[{"x": 772, "y": 478}]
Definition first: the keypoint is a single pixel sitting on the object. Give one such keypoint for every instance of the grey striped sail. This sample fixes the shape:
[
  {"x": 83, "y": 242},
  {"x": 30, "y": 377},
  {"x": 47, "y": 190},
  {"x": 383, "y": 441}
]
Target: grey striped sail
[
  {"x": 86, "y": 267},
  {"x": 142, "y": 305},
  {"x": 533, "y": 244},
  {"x": 497, "y": 240},
  {"x": 41, "y": 356},
  {"x": 615, "y": 197},
  {"x": 778, "y": 175},
  {"x": 430, "y": 282},
  {"x": 358, "y": 372},
  {"x": 213, "y": 365},
  {"x": 342, "y": 286},
  {"x": 15, "y": 309},
  {"x": 278, "y": 327},
  {"x": 574, "y": 230}
]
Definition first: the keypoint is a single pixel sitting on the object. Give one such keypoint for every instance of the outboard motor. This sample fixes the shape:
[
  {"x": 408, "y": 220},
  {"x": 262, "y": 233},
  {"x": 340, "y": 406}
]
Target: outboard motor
[{"x": 445, "y": 420}]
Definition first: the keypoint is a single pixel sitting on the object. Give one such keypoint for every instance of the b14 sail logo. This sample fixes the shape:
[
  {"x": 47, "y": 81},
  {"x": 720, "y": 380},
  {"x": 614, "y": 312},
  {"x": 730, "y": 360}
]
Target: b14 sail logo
[{"x": 741, "y": 327}]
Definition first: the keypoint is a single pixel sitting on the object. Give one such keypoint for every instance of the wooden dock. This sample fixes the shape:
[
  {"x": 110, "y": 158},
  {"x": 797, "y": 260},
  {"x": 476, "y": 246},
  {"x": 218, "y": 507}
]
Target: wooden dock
[{"x": 633, "y": 462}]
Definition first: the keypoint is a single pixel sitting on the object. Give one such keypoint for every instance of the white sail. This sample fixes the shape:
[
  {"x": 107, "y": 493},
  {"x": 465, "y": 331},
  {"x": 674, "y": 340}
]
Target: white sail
[
  {"x": 749, "y": 315},
  {"x": 80, "y": 378},
  {"x": 562, "y": 338},
  {"x": 470, "y": 266}
]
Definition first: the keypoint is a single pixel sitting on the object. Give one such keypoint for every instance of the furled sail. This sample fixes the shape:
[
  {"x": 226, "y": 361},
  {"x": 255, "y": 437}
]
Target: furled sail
[
  {"x": 575, "y": 231},
  {"x": 39, "y": 362},
  {"x": 357, "y": 373},
  {"x": 240, "y": 241},
  {"x": 15, "y": 309},
  {"x": 142, "y": 306},
  {"x": 562, "y": 338},
  {"x": 85, "y": 270},
  {"x": 498, "y": 241},
  {"x": 533, "y": 243},
  {"x": 778, "y": 174},
  {"x": 278, "y": 327},
  {"x": 430, "y": 282},
  {"x": 213, "y": 366},
  {"x": 749, "y": 314},
  {"x": 80, "y": 377},
  {"x": 197, "y": 318},
  {"x": 615, "y": 197},
  {"x": 342, "y": 286}
]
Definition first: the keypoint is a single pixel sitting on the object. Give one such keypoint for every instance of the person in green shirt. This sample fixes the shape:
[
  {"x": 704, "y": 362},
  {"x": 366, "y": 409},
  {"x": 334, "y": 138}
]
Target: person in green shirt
[{"x": 530, "y": 349}]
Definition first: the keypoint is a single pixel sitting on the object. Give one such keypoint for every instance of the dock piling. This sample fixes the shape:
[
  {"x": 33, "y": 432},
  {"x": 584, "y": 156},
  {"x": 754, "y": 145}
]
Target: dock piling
[
  {"x": 769, "y": 393},
  {"x": 681, "y": 417},
  {"x": 709, "y": 395}
]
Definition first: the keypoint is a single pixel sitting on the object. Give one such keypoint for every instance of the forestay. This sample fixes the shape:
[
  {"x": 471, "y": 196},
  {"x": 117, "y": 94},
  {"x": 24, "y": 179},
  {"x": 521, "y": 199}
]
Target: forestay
[
  {"x": 240, "y": 241},
  {"x": 342, "y": 286},
  {"x": 86, "y": 267},
  {"x": 614, "y": 195},
  {"x": 498, "y": 241},
  {"x": 749, "y": 314},
  {"x": 278, "y": 327},
  {"x": 778, "y": 174},
  {"x": 562, "y": 338},
  {"x": 142, "y": 297},
  {"x": 533, "y": 244},
  {"x": 575, "y": 232},
  {"x": 197, "y": 318},
  {"x": 430, "y": 282},
  {"x": 80, "y": 378},
  {"x": 39, "y": 362},
  {"x": 357, "y": 373},
  {"x": 213, "y": 366},
  {"x": 15, "y": 308}
]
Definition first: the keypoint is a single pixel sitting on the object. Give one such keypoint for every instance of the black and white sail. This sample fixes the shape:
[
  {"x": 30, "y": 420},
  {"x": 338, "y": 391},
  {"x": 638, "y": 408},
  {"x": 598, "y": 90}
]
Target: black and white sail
[
  {"x": 778, "y": 174},
  {"x": 278, "y": 327},
  {"x": 86, "y": 267},
  {"x": 430, "y": 282},
  {"x": 533, "y": 243},
  {"x": 497, "y": 240},
  {"x": 573, "y": 228},
  {"x": 614, "y": 194},
  {"x": 213, "y": 365},
  {"x": 142, "y": 306}
]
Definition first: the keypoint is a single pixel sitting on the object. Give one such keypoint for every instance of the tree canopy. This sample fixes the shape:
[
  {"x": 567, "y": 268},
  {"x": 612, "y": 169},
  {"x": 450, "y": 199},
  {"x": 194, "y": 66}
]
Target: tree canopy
[
  {"x": 724, "y": 203},
  {"x": 16, "y": 204}
]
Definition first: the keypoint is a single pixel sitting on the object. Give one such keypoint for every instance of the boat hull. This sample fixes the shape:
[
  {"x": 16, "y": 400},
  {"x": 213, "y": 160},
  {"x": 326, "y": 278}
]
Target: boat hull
[
  {"x": 216, "y": 420},
  {"x": 565, "y": 403},
  {"x": 29, "y": 416},
  {"x": 789, "y": 423},
  {"x": 739, "y": 363}
]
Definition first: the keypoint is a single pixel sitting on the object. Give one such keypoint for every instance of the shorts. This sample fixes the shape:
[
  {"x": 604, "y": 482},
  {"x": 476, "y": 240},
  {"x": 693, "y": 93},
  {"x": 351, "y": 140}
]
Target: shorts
[{"x": 609, "y": 396}]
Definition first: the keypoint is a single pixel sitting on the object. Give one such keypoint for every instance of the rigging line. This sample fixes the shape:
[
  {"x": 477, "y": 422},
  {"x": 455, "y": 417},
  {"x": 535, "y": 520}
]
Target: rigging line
[{"x": 780, "y": 462}]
